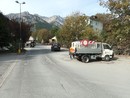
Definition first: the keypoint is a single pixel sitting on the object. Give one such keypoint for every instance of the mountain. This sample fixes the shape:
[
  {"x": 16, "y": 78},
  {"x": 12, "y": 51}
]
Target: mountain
[
  {"x": 38, "y": 21},
  {"x": 55, "y": 20}
]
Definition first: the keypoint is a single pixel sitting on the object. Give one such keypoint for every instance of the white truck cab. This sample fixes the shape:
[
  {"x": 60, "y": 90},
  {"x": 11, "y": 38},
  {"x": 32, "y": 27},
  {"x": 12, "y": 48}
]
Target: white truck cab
[{"x": 107, "y": 51}]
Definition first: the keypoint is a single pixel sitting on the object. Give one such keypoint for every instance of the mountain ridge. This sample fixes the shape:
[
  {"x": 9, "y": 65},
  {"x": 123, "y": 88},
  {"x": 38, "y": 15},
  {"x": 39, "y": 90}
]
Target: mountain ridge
[{"x": 38, "y": 21}]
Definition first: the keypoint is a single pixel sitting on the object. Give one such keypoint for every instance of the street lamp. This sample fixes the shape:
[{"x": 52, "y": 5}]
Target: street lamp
[{"x": 20, "y": 42}]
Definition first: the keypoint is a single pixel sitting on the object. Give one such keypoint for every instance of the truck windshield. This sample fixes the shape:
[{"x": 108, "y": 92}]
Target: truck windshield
[{"x": 107, "y": 47}]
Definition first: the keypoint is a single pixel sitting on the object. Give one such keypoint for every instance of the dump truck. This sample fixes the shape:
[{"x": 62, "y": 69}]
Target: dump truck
[{"x": 86, "y": 50}]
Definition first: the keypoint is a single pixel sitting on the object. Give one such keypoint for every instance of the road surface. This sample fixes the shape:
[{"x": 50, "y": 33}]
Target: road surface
[{"x": 41, "y": 73}]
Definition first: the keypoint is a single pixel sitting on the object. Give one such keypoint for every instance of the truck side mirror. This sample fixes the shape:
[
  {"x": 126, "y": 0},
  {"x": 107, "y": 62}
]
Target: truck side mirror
[{"x": 111, "y": 47}]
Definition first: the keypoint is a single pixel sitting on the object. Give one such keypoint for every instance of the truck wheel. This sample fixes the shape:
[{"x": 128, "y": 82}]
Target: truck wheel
[
  {"x": 107, "y": 58},
  {"x": 85, "y": 59}
]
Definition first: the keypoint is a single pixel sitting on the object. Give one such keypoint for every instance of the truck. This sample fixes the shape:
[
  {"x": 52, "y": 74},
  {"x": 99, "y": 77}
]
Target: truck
[{"x": 86, "y": 50}]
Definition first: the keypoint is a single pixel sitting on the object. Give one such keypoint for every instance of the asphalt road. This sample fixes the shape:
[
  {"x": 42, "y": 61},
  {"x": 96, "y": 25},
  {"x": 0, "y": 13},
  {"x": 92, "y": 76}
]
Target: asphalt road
[{"x": 41, "y": 73}]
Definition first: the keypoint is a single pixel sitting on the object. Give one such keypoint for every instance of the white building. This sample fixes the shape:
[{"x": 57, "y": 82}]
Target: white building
[
  {"x": 54, "y": 39},
  {"x": 95, "y": 23}
]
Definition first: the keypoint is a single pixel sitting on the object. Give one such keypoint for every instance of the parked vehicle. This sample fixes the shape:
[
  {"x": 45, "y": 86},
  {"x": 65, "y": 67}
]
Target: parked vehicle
[
  {"x": 30, "y": 43},
  {"x": 87, "y": 50},
  {"x": 55, "y": 47},
  {"x": 27, "y": 43}
]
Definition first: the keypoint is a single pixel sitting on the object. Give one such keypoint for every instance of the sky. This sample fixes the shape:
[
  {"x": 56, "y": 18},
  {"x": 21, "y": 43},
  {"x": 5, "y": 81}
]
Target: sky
[{"x": 49, "y": 8}]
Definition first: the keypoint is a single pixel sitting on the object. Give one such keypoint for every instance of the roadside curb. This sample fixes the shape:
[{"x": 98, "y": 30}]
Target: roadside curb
[{"x": 6, "y": 73}]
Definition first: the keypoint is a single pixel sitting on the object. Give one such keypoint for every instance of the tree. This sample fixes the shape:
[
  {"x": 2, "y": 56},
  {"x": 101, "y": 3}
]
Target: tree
[
  {"x": 54, "y": 31},
  {"x": 25, "y": 31},
  {"x": 73, "y": 28},
  {"x": 90, "y": 34},
  {"x": 15, "y": 33},
  {"x": 106, "y": 34},
  {"x": 43, "y": 35},
  {"x": 34, "y": 35},
  {"x": 4, "y": 31},
  {"x": 10, "y": 32},
  {"x": 120, "y": 25}
]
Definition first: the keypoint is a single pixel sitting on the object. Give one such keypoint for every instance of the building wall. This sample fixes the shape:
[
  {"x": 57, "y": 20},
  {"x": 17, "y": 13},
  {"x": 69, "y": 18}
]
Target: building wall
[{"x": 97, "y": 25}]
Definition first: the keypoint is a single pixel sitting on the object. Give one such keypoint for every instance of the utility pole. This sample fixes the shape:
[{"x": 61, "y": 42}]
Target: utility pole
[{"x": 20, "y": 38}]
